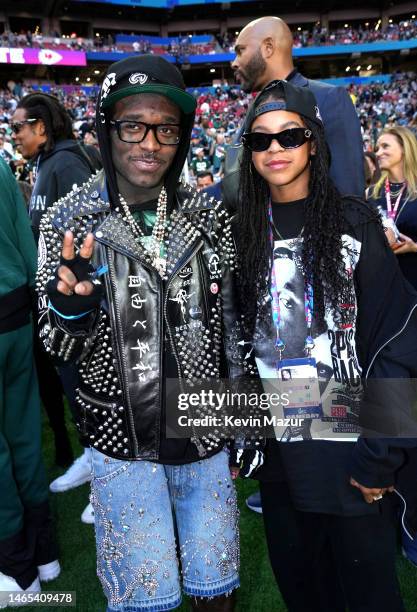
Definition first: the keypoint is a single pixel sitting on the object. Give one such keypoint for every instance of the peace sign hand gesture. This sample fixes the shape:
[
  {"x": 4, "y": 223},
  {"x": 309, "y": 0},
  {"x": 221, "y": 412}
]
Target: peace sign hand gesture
[
  {"x": 73, "y": 273},
  {"x": 74, "y": 292}
]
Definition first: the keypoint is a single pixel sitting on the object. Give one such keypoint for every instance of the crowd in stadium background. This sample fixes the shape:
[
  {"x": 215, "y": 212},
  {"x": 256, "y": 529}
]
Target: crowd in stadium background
[
  {"x": 380, "y": 78},
  {"x": 219, "y": 113},
  {"x": 316, "y": 35}
]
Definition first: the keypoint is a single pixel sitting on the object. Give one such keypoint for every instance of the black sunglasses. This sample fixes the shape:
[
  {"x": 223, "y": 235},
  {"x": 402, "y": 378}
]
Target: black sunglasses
[
  {"x": 288, "y": 139},
  {"x": 17, "y": 125}
]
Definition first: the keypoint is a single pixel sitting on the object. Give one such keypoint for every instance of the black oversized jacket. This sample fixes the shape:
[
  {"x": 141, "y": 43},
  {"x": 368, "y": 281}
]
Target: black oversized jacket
[
  {"x": 318, "y": 472},
  {"x": 387, "y": 349},
  {"x": 119, "y": 348}
]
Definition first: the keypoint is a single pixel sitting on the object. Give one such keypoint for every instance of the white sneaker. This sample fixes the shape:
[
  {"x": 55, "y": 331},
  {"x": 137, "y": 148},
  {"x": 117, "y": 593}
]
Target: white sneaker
[
  {"x": 76, "y": 475},
  {"x": 9, "y": 585},
  {"x": 49, "y": 571},
  {"x": 88, "y": 515}
]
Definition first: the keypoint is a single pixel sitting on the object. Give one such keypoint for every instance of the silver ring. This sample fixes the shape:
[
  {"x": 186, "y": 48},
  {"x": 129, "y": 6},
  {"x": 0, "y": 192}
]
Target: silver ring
[{"x": 377, "y": 497}]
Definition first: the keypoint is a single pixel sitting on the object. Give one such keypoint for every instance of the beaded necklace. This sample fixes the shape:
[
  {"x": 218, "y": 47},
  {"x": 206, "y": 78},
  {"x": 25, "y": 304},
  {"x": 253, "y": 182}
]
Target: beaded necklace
[{"x": 155, "y": 247}]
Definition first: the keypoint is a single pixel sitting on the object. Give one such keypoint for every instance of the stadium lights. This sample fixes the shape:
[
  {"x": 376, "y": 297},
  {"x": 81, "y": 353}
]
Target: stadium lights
[
  {"x": 377, "y": 25},
  {"x": 96, "y": 71},
  {"x": 97, "y": 34},
  {"x": 369, "y": 67},
  {"x": 346, "y": 25},
  {"x": 212, "y": 70},
  {"x": 77, "y": 79},
  {"x": 299, "y": 29},
  {"x": 367, "y": 23},
  {"x": 389, "y": 20},
  {"x": 358, "y": 68},
  {"x": 88, "y": 79},
  {"x": 347, "y": 68}
]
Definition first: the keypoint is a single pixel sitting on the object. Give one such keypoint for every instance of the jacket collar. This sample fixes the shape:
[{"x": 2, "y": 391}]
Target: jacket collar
[
  {"x": 184, "y": 227},
  {"x": 86, "y": 200},
  {"x": 298, "y": 79}
]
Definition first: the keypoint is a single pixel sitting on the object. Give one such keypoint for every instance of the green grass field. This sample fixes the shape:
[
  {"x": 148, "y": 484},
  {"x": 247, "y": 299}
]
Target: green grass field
[{"x": 258, "y": 592}]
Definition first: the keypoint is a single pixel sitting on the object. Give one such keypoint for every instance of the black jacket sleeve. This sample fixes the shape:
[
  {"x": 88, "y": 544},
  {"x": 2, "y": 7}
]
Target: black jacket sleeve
[
  {"x": 64, "y": 339},
  {"x": 387, "y": 328}
]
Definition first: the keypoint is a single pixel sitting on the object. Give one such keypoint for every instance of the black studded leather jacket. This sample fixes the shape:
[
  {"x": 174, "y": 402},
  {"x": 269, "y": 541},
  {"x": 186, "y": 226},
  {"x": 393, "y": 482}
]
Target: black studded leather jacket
[{"x": 119, "y": 351}]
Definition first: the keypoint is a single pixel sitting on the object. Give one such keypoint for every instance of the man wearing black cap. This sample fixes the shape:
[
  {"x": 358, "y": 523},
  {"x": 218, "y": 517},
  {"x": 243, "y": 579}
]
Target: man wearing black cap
[{"x": 134, "y": 299}]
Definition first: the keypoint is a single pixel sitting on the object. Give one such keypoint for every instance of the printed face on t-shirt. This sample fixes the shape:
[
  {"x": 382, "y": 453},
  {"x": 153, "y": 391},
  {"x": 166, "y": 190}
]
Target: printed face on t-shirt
[
  {"x": 290, "y": 290},
  {"x": 292, "y": 323}
]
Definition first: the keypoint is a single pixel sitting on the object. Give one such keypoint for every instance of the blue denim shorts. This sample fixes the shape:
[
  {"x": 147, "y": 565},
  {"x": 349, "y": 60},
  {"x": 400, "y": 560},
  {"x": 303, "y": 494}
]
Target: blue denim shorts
[{"x": 139, "y": 509}]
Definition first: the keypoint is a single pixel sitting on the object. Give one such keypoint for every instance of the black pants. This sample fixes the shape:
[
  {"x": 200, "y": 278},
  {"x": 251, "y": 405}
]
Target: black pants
[
  {"x": 328, "y": 563},
  {"x": 50, "y": 388}
]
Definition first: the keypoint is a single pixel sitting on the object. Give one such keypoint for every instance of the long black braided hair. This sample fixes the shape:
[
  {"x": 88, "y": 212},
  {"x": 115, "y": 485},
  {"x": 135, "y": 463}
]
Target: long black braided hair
[{"x": 321, "y": 254}]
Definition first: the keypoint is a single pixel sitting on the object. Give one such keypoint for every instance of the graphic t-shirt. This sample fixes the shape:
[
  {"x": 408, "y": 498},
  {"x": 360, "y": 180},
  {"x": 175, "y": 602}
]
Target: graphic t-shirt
[
  {"x": 334, "y": 340},
  {"x": 316, "y": 470},
  {"x": 200, "y": 165}
]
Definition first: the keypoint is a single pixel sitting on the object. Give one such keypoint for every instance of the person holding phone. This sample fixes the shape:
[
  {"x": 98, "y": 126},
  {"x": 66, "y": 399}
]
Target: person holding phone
[{"x": 395, "y": 194}]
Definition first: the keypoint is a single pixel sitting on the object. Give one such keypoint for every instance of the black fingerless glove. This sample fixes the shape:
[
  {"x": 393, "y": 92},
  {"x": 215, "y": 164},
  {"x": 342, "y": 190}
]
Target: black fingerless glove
[{"x": 75, "y": 305}]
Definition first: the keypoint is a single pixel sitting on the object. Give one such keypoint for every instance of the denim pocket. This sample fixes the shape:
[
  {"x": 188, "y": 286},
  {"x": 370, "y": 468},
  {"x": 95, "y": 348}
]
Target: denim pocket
[{"x": 106, "y": 468}]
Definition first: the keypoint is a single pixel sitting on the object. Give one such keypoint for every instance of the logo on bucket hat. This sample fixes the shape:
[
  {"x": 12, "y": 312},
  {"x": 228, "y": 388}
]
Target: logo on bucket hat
[
  {"x": 138, "y": 77},
  {"x": 147, "y": 74}
]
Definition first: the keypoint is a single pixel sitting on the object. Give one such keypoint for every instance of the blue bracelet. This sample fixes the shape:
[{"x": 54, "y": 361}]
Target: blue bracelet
[
  {"x": 68, "y": 317},
  {"x": 100, "y": 271}
]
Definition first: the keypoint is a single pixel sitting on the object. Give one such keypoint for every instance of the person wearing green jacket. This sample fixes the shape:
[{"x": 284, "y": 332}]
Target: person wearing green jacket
[{"x": 28, "y": 550}]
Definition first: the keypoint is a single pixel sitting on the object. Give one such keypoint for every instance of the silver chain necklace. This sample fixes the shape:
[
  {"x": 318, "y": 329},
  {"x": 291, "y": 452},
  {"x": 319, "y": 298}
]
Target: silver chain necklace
[{"x": 158, "y": 232}]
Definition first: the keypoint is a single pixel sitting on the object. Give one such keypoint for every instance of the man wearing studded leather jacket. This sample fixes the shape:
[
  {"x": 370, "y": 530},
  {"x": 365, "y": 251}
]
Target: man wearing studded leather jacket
[{"x": 134, "y": 300}]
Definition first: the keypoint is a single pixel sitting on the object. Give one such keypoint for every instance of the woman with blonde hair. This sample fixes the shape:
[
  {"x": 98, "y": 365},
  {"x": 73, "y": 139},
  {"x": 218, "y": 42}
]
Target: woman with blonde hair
[{"x": 396, "y": 193}]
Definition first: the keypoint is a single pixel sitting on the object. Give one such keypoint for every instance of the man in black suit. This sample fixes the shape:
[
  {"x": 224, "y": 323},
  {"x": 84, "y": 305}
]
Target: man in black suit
[{"x": 263, "y": 54}]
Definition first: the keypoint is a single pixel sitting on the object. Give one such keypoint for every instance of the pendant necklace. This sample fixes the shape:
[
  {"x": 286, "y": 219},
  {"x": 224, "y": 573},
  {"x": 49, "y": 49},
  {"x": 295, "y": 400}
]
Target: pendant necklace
[{"x": 153, "y": 251}]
